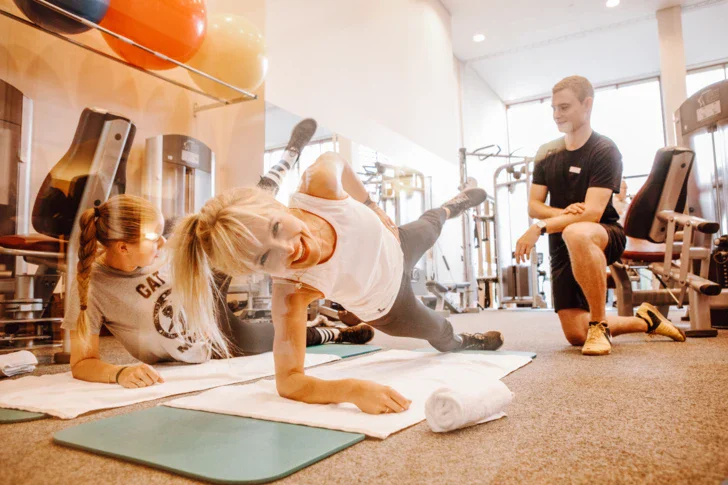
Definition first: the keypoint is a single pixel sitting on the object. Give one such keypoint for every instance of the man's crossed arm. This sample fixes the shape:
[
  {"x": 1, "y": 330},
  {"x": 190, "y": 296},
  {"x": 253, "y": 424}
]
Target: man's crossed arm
[{"x": 557, "y": 220}]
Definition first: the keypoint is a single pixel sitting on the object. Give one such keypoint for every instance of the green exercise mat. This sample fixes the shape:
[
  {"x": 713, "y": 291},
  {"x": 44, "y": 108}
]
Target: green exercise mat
[
  {"x": 208, "y": 446},
  {"x": 494, "y": 352},
  {"x": 8, "y": 416},
  {"x": 342, "y": 350}
]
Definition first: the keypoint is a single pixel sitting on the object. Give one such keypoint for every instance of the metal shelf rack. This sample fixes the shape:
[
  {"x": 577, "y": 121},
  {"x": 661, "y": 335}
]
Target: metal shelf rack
[{"x": 219, "y": 102}]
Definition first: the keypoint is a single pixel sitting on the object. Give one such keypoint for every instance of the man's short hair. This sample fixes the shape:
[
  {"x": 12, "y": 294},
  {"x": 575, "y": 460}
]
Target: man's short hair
[{"x": 578, "y": 85}]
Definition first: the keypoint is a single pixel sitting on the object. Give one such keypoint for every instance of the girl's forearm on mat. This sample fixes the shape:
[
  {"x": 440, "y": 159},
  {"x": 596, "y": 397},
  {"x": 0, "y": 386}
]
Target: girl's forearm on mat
[{"x": 95, "y": 370}]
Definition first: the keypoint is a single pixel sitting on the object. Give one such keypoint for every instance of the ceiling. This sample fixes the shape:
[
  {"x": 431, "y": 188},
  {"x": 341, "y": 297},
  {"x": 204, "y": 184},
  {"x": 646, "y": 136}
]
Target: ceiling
[{"x": 531, "y": 44}]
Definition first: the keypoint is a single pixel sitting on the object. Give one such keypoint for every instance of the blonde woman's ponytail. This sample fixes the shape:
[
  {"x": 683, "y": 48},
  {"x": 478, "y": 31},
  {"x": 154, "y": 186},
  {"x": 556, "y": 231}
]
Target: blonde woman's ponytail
[
  {"x": 220, "y": 238},
  {"x": 193, "y": 286}
]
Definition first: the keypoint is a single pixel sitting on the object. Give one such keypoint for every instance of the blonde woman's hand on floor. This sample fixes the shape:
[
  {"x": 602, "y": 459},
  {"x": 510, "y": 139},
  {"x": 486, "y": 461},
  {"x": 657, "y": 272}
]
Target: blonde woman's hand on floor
[{"x": 373, "y": 398}]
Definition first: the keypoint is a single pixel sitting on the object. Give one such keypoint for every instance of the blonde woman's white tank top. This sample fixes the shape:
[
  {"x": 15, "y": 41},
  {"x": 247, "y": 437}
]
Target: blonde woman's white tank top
[{"x": 365, "y": 272}]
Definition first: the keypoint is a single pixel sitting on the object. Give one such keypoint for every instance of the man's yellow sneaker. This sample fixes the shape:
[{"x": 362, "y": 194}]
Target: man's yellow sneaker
[
  {"x": 598, "y": 340},
  {"x": 657, "y": 324}
]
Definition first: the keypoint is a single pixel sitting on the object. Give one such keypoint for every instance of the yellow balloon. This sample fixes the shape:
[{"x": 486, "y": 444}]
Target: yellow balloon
[{"x": 233, "y": 51}]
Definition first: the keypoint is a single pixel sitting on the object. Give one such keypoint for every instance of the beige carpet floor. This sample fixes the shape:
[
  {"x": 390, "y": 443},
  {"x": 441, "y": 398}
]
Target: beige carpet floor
[{"x": 653, "y": 412}]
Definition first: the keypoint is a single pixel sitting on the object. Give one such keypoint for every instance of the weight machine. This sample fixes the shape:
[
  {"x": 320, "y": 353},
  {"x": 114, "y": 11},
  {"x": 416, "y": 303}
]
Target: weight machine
[
  {"x": 516, "y": 284},
  {"x": 485, "y": 244},
  {"x": 92, "y": 170}
]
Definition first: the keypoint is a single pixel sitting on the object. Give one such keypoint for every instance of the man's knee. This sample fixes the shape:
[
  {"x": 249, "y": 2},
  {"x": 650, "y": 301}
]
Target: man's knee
[
  {"x": 583, "y": 235},
  {"x": 574, "y": 325},
  {"x": 577, "y": 234},
  {"x": 575, "y": 340}
]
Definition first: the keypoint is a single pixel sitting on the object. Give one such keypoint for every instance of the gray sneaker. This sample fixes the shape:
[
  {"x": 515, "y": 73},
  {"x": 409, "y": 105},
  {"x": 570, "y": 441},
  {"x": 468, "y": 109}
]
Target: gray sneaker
[
  {"x": 301, "y": 136},
  {"x": 481, "y": 341},
  {"x": 465, "y": 200}
]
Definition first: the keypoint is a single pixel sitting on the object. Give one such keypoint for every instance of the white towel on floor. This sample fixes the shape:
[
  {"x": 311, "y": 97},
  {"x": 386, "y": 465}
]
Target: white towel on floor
[
  {"x": 454, "y": 407},
  {"x": 65, "y": 397},
  {"x": 17, "y": 363},
  {"x": 416, "y": 375}
]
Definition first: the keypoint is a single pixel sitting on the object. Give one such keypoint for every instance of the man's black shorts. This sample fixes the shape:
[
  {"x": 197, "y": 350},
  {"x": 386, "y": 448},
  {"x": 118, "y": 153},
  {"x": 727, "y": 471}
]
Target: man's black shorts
[{"x": 566, "y": 291}]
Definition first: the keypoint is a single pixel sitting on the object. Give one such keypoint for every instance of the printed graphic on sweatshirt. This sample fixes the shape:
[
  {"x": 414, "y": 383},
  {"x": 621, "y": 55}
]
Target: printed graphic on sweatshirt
[
  {"x": 164, "y": 320},
  {"x": 164, "y": 316},
  {"x": 153, "y": 282}
]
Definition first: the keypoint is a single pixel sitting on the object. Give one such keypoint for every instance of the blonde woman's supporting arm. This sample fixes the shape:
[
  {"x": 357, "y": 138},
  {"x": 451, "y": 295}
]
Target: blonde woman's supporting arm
[{"x": 289, "y": 350}]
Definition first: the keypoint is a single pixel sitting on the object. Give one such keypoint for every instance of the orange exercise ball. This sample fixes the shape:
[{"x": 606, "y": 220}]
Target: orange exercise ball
[
  {"x": 233, "y": 51},
  {"x": 175, "y": 28}
]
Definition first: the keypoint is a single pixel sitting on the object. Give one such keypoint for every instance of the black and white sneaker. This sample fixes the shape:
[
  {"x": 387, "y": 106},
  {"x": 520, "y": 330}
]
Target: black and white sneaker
[
  {"x": 481, "y": 341},
  {"x": 657, "y": 324},
  {"x": 301, "y": 136},
  {"x": 358, "y": 334},
  {"x": 465, "y": 200}
]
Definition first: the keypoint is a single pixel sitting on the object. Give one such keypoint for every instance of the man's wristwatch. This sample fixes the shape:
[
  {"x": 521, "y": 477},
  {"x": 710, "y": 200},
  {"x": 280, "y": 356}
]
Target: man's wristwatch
[{"x": 542, "y": 226}]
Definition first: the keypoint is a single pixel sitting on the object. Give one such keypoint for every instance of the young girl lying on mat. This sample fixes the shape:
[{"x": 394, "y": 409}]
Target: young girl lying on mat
[
  {"x": 331, "y": 242},
  {"x": 127, "y": 287}
]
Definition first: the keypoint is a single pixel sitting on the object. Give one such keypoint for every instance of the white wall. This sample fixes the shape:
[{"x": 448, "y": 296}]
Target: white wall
[
  {"x": 378, "y": 72},
  {"x": 381, "y": 73},
  {"x": 483, "y": 123}
]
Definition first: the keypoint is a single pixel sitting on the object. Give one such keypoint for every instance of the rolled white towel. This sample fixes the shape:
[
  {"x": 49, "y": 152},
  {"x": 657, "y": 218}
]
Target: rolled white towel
[
  {"x": 17, "y": 363},
  {"x": 460, "y": 406}
]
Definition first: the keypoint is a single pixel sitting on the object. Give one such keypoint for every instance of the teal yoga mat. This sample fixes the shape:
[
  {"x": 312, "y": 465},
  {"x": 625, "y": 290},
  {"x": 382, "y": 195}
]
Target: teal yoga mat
[
  {"x": 342, "y": 350},
  {"x": 494, "y": 352},
  {"x": 8, "y": 416},
  {"x": 208, "y": 446}
]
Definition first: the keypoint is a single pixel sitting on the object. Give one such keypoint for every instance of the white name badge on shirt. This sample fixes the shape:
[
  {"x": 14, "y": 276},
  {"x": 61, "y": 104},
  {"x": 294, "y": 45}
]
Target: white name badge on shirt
[{"x": 575, "y": 169}]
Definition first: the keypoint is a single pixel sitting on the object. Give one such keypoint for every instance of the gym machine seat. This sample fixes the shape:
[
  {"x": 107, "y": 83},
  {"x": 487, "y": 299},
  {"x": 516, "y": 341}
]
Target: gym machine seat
[
  {"x": 93, "y": 169},
  {"x": 651, "y": 225}
]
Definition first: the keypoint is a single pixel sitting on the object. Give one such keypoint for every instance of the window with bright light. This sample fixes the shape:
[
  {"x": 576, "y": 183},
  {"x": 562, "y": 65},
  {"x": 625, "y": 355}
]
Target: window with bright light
[
  {"x": 629, "y": 114},
  {"x": 308, "y": 156},
  {"x": 698, "y": 79},
  {"x": 530, "y": 125},
  {"x": 368, "y": 156}
]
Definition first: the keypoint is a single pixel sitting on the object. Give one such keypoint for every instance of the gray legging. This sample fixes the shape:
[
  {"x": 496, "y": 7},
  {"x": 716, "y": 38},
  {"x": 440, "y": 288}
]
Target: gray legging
[
  {"x": 409, "y": 317},
  {"x": 248, "y": 336}
]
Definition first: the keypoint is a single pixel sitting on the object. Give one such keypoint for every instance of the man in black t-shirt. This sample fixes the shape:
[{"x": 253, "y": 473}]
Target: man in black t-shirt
[{"x": 580, "y": 172}]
